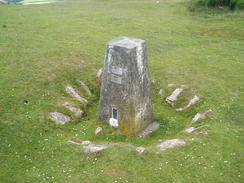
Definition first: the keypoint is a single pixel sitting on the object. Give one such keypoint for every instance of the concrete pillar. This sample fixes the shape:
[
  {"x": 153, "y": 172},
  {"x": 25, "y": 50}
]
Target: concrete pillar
[{"x": 125, "y": 100}]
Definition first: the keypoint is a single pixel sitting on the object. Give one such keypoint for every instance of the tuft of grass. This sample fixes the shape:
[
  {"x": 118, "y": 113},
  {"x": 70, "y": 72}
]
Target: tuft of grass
[{"x": 231, "y": 4}]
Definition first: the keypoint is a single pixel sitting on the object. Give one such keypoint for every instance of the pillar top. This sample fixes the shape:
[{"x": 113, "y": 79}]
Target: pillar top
[{"x": 126, "y": 42}]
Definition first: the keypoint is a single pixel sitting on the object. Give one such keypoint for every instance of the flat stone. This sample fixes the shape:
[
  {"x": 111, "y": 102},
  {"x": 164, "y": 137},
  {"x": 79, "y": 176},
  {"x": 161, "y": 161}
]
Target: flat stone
[
  {"x": 204, "y": 132},
  {"x": 200, "y": 116},
  {"x": 153, "y": 82},
  {"x": 71, "y": 91},
  {"x": 173, "y": 97},
  {"x": 170, "y": 144},
  {"x": 86, "y": 142},
  {"x": 98, "y": 130},
  {"x": 161, "y": 92},
  {"x": 150, "y": 129},
  {"x": 184, "y": 86},
  {"x": 78, "y": 112},
  {"x": 99, "y": 73},
  {"x": 59, "y": 117},
  {"x": 140, "y": 150},
  {"x": 93, "y": 148},
  {"x": 172, "y": 85},
  {"x": 192, "y": 102},
  {"x": 191, "y": 129},
  {"x": 85, "y": 87}
]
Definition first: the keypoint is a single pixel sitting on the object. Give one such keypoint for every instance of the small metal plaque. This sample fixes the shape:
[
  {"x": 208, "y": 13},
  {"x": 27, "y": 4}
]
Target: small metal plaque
[
  {"x": 116, "y": 79},
  {"x": 116, "y": 70}
]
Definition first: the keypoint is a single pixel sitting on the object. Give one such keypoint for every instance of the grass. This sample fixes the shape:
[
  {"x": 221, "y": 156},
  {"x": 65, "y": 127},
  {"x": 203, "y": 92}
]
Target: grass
[
  {"x": 41, "y": 50},
  {"x": 231, "y": 4}
]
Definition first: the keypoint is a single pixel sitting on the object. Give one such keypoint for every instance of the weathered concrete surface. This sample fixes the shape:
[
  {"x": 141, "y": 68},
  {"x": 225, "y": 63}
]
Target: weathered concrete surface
[
  {"x": 59, "y": 117},
  {"x": 71, "y": 91},
  {"x": 200, "y": 116},
  {"x": 192, "y": 102},
  {"x": 150, "y": 129},
  {"x": 173, "y": 97},
  {"x": 170, "y": 144},
  {"x": 85, "y": 87},
  {"x": 126, "y": 85},
  {"x": 93, "y": 148},
  {"x": 77, "y": 112}
]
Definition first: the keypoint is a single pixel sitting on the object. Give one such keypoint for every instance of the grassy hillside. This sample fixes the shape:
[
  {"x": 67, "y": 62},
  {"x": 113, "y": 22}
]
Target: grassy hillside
[{"x": 45, "y": 47}]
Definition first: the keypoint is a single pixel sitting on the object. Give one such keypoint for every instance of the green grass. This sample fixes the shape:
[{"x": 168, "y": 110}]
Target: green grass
[
  {"x": 41, "y": 49},
  {"x": 231, "y": 4}
]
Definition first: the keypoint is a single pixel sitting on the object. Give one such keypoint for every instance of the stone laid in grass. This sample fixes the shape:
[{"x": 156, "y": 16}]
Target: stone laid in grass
[
  {"x": 173, "y": 97},
  {"x": 71, "y": 91},
  {"x": 189, "y": 130},
  {"x": 98, "y": 130},
  {"x": 99, "y": 73},
  {"x": 161, "y": 92},
  {"x": 171, "y": 85},
  {"x": 86, "y": 142},
  {"x": 170, "y": 144},
  {"x": 192, "y": 102},
  {"x": 77, "y": 112},
  {"x": 204, "y": 132},
  {"x": 95, "y": 148},
  {"x": 59, "y": 117},
  {"x": 200, "y": 116},
  {"x": 150, "y": 129},
  {"x": 85, "y": 87},
  {"x": 140, "y": 150}
]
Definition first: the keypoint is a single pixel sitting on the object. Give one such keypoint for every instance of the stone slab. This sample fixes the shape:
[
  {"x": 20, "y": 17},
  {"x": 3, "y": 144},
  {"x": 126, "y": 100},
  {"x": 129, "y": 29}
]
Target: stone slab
[
  {"x": 99, "y": 73},
  {"x": 174, "y": 96},
  {"x": 71, "y": 91},
  {"x": 170, "y": 144},
  {"x": 59, "y": 117},
  {"x": 95, "y": 148},
  {"x": 86, "y": 142},
  {"x": 189, "y": 130},
  {"x": 200, "y": 116},
  {"x": 150, "y": 129},
  {"x": 140, "y": 150},
  {"x": 77, "y": 112},
  {"x": 98, "y": 130},
  {"x": 192, "y": 102}
]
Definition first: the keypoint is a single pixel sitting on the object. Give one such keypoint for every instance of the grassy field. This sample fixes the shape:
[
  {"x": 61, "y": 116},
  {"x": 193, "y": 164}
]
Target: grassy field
[{"x": 45, "y": 47}]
